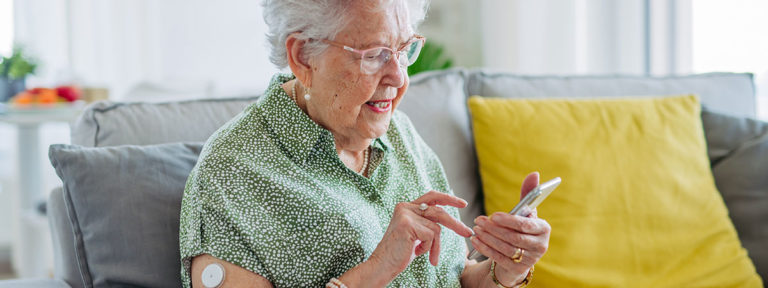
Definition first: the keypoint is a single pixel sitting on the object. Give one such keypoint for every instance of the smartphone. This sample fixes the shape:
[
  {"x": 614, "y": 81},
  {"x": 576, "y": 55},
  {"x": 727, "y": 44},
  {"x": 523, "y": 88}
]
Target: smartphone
[
  {"x": 535, "y": 197},
  {"x": 530, "y": 202}
]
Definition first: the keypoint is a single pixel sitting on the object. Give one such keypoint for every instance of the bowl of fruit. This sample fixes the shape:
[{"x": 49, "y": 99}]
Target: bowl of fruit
[{"x": 46, "y": 97}]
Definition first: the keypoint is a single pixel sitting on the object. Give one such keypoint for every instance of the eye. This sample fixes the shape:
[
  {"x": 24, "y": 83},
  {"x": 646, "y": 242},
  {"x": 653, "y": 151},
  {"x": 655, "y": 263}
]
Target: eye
[
  {"x": 371, "y": 55},
  {"x": 385, "y": 55}
]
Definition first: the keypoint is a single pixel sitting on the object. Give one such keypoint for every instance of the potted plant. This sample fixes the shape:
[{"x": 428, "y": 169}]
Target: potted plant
[{"x": 13, "y": 73}]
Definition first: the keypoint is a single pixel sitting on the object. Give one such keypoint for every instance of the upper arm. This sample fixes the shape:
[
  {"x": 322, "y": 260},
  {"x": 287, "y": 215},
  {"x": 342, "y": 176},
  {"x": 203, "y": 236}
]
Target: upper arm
[{"x": 234, "y": 276}]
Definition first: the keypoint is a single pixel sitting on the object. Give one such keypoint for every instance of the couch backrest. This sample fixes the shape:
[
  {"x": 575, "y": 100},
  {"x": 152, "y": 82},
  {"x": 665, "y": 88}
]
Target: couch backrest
[
  {"x": 108, "y": 123},
  {"x": 729, "y": 93}
]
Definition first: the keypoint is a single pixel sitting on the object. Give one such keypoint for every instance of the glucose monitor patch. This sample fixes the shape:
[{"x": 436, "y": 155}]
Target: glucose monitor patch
[{"x": 213, "y": 275}]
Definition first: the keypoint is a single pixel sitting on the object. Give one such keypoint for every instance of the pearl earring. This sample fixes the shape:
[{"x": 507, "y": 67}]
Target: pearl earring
[{"x": 306, "y": 96}]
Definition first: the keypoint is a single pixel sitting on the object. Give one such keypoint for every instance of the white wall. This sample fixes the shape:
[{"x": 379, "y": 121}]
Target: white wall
[
  {"x": 586, "y": 36},
  {"x": 6, "y": 26},
  {"x": 729, "y": 36},
  {"x": 39, "y": 26},
  {"x": 563, "y": 36}
]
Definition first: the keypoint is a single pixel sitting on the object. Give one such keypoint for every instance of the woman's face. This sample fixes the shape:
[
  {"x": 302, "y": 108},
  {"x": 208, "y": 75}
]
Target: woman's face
[{"x": 346, "y": 101}]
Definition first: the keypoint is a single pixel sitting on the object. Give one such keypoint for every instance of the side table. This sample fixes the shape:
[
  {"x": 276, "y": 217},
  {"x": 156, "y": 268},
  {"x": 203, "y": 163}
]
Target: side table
[{"x": 30, "y": 251}]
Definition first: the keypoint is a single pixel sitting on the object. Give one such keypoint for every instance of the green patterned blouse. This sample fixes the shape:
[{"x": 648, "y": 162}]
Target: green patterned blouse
[{"x": 270, "y": 194}]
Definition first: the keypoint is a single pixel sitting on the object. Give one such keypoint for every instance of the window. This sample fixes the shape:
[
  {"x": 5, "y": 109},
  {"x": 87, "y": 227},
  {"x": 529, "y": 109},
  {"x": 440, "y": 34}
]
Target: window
[
  {"x": 6, "y": 27},
  {"x": 730, "y": 36}
]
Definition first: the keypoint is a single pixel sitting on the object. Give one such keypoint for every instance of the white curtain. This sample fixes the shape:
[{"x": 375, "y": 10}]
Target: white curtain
[
  {"x": 200, "y": 48},
  {"x": 586, "y": 36}
]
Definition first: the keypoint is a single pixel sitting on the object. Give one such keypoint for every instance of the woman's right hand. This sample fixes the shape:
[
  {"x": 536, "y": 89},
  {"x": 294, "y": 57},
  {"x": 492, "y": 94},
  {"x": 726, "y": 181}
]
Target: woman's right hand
[{"x": 413, "y": 232}]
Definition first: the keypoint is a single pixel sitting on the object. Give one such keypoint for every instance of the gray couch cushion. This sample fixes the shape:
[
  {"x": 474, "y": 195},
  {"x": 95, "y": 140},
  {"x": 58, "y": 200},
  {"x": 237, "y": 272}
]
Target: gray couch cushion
[
  {"x": 723, "y": 92},
  {"x": 436, "y": 104},
  {"x": 64, "y": 260},
  {"x": 123, "y": 205},
  {"x": 738, "y": 151},
  {"x": 109, "y": 124}
]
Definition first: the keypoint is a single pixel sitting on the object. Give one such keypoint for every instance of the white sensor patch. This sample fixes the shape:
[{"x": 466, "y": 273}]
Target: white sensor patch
[{"x": 213, "y": 275}]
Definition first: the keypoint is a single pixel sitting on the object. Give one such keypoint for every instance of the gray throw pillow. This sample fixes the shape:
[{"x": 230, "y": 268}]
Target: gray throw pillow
[
  {"x": 123, "y": 204},
  {"x": 738, "y": 152}
]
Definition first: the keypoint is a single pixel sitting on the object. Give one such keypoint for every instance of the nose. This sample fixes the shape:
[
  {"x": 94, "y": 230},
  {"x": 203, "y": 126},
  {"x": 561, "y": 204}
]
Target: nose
[{"x": 393, "y": 72}]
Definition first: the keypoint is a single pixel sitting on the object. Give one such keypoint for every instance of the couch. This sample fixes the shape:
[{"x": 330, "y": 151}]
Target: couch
[{"x": 130, "y": 237}]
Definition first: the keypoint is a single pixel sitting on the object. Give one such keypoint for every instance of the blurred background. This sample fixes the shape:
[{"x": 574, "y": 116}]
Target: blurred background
[{"x": 159, "y": 50}]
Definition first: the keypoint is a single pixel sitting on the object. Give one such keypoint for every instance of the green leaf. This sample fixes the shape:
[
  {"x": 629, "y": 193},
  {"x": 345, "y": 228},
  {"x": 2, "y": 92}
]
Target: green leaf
[
  {"x": 18, "y": 65},
  {"x": 432, "y": 57}
]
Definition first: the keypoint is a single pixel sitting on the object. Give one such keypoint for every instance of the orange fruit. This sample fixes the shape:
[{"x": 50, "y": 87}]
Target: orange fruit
[
  {"x": 23, "y": 98},
  {"x": 47, "y": 96}
]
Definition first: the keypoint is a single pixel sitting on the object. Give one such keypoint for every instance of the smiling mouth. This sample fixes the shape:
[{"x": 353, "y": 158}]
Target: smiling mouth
[{"x": 380, "y": 106}]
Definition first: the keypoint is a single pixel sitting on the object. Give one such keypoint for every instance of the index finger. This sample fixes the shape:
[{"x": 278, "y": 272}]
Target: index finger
[
  {"x": 432, "y": 198},
  {"x": 438, "y": 215}
]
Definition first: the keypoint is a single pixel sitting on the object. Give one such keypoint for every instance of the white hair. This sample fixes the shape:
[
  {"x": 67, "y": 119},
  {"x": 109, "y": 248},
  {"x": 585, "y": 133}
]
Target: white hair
[{"x": 316, "y": 19}]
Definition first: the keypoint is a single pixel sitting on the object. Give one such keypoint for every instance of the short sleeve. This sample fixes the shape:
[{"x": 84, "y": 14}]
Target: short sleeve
[{"x": 211, "y": 222}]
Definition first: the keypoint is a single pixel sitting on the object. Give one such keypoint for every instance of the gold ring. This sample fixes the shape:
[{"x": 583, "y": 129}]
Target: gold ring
[{"x": 518, "y": 257}]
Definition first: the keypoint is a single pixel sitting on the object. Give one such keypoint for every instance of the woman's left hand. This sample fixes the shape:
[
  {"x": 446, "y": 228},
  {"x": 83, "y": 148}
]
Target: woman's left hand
[{"x": 500, "y": 236}]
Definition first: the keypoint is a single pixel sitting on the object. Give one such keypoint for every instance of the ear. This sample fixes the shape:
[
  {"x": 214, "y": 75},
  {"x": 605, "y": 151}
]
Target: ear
[{"x": 299, "y": 67}]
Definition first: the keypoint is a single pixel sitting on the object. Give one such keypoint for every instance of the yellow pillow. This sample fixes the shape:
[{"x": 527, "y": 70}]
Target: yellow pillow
[{"x": 638, "y": 205}]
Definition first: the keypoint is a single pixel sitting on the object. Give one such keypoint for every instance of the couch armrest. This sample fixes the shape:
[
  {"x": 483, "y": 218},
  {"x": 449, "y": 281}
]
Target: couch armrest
[
  {"x": 33, "y": 283},
  {"x": 65, "y": 265}
]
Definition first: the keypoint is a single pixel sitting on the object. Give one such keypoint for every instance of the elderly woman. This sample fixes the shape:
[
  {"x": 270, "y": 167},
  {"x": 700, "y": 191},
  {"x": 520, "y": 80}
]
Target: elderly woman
[{"x": 323, "y": 182}]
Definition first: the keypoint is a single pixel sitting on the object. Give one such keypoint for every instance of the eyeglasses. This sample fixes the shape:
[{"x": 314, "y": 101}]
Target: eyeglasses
[{"x": 373, "y": 59}]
